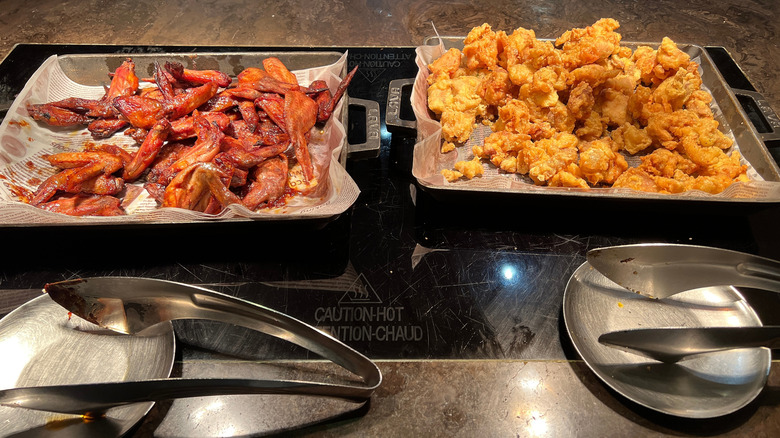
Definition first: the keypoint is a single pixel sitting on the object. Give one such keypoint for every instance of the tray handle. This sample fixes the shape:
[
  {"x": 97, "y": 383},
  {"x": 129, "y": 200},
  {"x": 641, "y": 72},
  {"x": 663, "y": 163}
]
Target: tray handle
[
  {"x": 394, "y": 93},
  {"x": 373, "y": 142},
  {"x": 760, "y": 113}
]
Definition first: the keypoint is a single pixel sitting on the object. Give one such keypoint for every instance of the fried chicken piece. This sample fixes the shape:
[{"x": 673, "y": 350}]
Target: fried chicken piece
[
  {"x": 613, "y": 100},
  {"x": 513, "y": 58},
  {"x": 657, "y": 65},
  {"x": 593, "y": 74},
  {"x": 501, "y": 148},
  {"x": 674, "y": 91},
  {"x": 710, "y": 184},
  {"x": 666, "y": 163},
  {"x": 447, "y": 146},
  {"x": 481, "y": 48},
  {"x": 523, "y": 55},
  {"x": 678, "y": 183},
  {"x": 542, "y": 159},
  {"x": 589, "y": 45},
  {"x": 631, "y": 138},
  {"x": 558, "y": 116},
  {"x": 470, "y": 169},
  {"x": 666, "y": 129},
  {"x": 496, "y": 87},
  {"x": 515, "y": 117},
  {"x": 581, "y": 101},
  {"x": 570, "y": 176},
  {"x": 681, "y": 182},
  {"x": 670, "y": 57},
  {"x": 711, "y": 159},
  {"x": 446, "y": 66},
  {"x": 644, "y": 59},
  {"x": 637, "y": 179},
  {"x": 665, "y": 171},
  {"x": 591, "y": 128},
  {"x": 709, "y": 134},
  {"x": 641, "y": 105},
  {"x": 599, "y": 162},
  {"x": 622, "y": 61},
  {"x": 699, "y": 102},
  {"x": 451, "y": 175},
  {"x": 526, "y": 118},
  {"x": 459, "y": 103},
  {"x": 729, "y": 166},
  {"x": 544, "y": 86}
]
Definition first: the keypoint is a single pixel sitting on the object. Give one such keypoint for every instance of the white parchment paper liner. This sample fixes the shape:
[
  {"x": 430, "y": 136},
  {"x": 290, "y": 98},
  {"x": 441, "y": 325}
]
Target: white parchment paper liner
[
  {"x": 428, "y": 161},
  {"x": 23, "y": 141}
]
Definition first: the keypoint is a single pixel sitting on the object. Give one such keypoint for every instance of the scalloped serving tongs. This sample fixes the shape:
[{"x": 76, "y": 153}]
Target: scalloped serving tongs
[
  {"x": 660, "y": 270},
  {"x": 132, "y": 305}
]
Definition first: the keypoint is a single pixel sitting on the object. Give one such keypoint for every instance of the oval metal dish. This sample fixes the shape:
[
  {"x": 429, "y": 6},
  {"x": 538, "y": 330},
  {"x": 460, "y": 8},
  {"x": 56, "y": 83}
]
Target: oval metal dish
[
  {"x": 41, "y": 344},
  {"x": 704, "y": 386}
]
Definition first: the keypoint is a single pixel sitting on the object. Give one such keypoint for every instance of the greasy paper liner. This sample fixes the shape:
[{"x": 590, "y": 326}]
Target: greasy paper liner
[
  {"x": 23, "y": 141},
  {"x": 428, "y": 161}
]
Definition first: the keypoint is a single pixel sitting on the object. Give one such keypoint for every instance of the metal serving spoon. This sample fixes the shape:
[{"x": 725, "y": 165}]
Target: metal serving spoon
[{"x": 132, "y": 305}]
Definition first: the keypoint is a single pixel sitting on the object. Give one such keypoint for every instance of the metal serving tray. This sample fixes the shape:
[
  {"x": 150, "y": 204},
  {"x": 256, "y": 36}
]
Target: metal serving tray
[
  {"x": 92, "y": 70},
  {"x": 731, "y": 117}
]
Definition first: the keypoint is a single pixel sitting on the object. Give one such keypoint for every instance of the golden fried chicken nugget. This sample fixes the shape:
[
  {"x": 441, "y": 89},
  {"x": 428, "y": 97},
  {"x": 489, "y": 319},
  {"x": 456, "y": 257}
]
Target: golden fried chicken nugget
[
  {"x": 570, "y": 176},
  {"x": 496, "y": 87},
  {"x": 675, "y": 90},
  {"x": 666, "y": 163},
  {"x": 637, "y": 179},
  {"x": 591, "y": 128},
  {"x": 446, "y": 66},
  {"x": 581, "y": 101},
  {"x": 500, "y": 146},
  {"x": 699, "y": 102},
  {"x": 599, "y": 162},
  {"x": 542, "y": 159},
  {"x": 481, "y": 47},
  {"x": 631, "y": 138},
  {"x": 451, "y": 175},
  {"x": 459, "y": 103},
  {"x": 543, "y": 89},
  {"x": 590, "y": 45},
  {"x": 471, "y": 168},
  {"x": 447, "y": 146},
  {"x": 670, "y": 57}
]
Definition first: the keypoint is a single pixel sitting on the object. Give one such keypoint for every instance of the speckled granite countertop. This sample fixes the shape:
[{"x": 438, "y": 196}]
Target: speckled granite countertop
[{"x": 474, "y": 353}]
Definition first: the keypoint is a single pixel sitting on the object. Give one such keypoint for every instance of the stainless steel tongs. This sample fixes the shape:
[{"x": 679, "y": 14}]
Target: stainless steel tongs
[
  {"x": 662, "y": 270},
  {"x": 132, "y": 305}
]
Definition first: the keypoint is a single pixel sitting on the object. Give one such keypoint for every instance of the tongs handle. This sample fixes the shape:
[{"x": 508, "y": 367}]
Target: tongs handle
[
  {"x": 131, "y": 305},
  {"x": 675, "y": 343},
  {"x": 97, "y": 397},
  {"x": 233, "y": 310}
]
